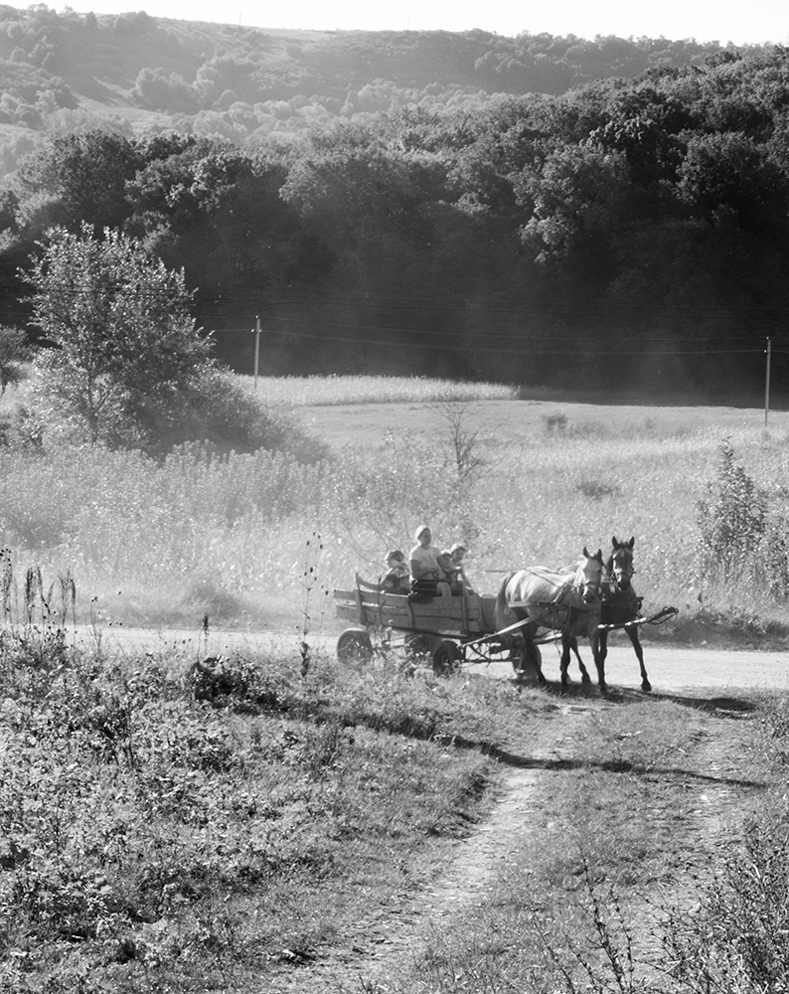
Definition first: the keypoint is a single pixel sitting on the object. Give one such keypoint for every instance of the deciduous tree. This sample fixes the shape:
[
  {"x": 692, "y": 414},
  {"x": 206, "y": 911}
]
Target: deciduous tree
[{"x": 128, "y": 342}]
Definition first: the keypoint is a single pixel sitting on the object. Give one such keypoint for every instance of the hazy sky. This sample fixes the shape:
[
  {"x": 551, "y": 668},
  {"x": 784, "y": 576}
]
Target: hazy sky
[{"x": 704, "y": 20}]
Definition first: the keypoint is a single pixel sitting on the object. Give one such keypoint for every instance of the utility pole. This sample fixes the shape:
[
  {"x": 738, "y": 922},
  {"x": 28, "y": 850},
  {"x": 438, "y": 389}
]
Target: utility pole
[
  {"x": 256, "y": 333},
  {"x": 767, "y": 384}
]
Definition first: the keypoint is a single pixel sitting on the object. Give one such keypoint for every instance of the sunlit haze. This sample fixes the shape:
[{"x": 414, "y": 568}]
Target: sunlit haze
[{"x": 748, "y": 23}]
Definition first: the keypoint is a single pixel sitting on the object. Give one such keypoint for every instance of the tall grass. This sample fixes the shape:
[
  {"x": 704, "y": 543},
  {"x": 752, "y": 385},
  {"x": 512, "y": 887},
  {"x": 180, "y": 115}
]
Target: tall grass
[
  {"x": 298, "y": 391},
  {"x": 169, "y": 540}
]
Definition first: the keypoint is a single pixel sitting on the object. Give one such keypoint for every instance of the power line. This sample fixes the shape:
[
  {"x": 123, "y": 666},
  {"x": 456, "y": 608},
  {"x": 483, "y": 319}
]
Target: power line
[
  {"x": 520, "y": 336},
  {"x": 527, "y": 349}
]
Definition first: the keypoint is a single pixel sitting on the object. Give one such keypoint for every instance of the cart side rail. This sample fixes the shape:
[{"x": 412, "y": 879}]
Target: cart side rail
[{"x": 369, "y": 608}]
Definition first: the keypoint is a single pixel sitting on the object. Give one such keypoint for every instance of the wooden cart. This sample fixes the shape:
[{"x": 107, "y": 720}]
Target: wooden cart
[{"x": 444, "y": 630}]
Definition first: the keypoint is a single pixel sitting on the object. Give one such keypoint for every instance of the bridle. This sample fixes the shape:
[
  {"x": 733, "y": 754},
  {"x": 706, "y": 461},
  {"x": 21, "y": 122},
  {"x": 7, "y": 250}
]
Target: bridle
[
  {"x": 589, "y": 589},
  {"x": 620, "y": 569}
]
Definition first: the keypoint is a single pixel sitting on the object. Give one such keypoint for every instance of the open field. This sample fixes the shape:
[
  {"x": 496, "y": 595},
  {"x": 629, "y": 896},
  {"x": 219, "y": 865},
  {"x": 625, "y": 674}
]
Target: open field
[{"x": 518, "y": 481}]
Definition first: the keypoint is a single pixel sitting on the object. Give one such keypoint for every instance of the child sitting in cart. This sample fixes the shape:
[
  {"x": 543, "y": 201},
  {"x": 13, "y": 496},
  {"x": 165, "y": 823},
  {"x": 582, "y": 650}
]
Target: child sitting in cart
[
  {"x": 398, "y": 577},
  {"x": 451, "y": 561}
]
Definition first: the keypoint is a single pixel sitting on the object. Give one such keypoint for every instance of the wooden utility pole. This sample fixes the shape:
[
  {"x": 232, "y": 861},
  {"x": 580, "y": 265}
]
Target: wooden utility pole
[
  {"x": 767, "y": 385},
  {"x": 256, "y": 333}
]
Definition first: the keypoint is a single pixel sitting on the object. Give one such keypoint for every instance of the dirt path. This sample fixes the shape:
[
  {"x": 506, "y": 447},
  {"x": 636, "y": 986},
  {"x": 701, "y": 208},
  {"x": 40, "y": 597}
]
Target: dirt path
[
  {"x": 480, "y": 861},
  {"x": 385, "y": 950}
]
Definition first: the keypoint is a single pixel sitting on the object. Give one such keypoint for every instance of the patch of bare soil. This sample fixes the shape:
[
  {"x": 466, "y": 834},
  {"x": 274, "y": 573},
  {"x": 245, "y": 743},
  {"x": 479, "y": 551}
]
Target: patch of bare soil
[{"x": 384, "y": 949}]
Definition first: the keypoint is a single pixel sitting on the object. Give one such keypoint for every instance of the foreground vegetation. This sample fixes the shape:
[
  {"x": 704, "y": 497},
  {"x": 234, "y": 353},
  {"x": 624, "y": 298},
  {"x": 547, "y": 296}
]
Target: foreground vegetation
[
  {"x": 178, "y": 821},
  {"x": 166, "y": 821}
]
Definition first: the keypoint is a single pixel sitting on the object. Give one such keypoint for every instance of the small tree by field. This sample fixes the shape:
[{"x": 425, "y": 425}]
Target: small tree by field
[
  {"x": 742, "y": 530},
  {"x": 129, "y": 347}
]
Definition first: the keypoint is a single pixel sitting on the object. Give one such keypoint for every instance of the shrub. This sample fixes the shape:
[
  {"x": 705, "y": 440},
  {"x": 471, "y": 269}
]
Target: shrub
[
  {"x": 127, "y": 342},
  {"x": 731, "y": 518},
  {"x": 736, "y": 940},
  {"x": 742, "y": 531},
  {"x": 216, "y": 409}
]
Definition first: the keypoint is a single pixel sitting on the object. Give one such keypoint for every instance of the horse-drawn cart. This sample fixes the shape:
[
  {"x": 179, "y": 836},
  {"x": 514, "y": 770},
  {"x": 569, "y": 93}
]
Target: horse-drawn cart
[{"x": 446, "y": 631}]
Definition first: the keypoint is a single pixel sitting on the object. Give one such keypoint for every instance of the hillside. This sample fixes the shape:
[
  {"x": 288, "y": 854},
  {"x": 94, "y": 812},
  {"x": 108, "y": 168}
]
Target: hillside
[{"x": 134, "y": 73}]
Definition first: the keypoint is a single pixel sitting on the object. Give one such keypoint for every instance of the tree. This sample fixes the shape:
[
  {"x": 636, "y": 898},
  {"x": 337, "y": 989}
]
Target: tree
[
  {"x": 129, "y": 346},
  {"x": 74, "y": 178}
]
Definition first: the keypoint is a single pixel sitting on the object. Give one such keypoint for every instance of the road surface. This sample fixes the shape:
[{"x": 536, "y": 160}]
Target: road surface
[{"x": 672, "y": 669}]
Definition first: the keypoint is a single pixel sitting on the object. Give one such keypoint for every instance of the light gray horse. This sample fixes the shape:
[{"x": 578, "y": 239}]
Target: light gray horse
[{"x": 543, "y": 598}]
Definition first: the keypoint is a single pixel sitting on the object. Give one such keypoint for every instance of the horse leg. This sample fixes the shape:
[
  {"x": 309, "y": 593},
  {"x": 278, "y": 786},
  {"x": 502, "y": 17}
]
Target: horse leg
[
  {"x": 585, "y": 678},
  {"x": 646, "y": 686},
  {"x": 536, "y": 662},
  {"x": 529, "y": 661},
  {"x": 571, "y": 642},
  {"x": 564, "y": 662},
  {"x": 598, "y": 640}
]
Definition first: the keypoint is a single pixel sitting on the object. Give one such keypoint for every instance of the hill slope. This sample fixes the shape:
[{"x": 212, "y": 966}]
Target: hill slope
[{"x": 133, "y": 73}]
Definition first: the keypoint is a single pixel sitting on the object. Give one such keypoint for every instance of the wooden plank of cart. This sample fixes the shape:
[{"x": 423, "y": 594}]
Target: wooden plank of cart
[{"x": 445, "y": 631}]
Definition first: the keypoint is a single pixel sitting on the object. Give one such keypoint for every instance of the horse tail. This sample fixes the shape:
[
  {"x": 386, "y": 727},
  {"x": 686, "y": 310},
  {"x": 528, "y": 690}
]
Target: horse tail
[{"x": 503, "y": 615}]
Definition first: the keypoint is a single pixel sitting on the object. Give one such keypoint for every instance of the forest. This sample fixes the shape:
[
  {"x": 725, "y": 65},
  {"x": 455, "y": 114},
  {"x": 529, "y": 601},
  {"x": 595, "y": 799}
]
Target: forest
[{"x": 616, "y": 223}]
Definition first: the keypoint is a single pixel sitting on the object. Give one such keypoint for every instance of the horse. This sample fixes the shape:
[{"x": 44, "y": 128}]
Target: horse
[
  {"x": 620, "y": 605},
  {"x": 545, "y": 598}
]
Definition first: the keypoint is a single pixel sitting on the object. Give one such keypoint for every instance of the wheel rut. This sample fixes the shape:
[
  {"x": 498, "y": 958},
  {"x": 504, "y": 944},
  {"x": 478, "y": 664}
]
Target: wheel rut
[{"x": 395, "y": 941}]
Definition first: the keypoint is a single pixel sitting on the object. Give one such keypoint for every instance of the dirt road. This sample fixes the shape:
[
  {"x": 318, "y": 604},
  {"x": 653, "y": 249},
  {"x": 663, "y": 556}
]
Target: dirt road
[
  {"x": 676, "y": 669},
  {"x": 688, "y": 668}
]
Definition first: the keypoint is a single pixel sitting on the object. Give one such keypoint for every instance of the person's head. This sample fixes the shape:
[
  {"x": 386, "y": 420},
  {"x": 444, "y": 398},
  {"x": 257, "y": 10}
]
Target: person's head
[
  {"x": 395, "y": 559},
  {"x": 457, "y": 552},
  {"x": 423, "y": 535}
]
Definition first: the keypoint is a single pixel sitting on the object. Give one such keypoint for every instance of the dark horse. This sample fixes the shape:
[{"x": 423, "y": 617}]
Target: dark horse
[
  {"x": 620, "y": 605},
  {"x": 548, "y": 599}
]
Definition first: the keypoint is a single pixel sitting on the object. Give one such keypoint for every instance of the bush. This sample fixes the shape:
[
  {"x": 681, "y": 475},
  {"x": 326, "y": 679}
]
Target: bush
[
  {"x": 732, "y": 518},
  {"x": 742, "y": 531},
  {"x": 736, "y": 939},
  {"x": 218, "y": 410}
]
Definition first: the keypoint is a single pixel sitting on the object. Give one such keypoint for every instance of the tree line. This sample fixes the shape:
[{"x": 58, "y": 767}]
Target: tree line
[
  {"x": 64, "y": 72},
  {"x": 627, "y": 234}
]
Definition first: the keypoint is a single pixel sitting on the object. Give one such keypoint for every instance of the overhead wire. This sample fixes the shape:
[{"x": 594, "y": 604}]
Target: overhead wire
[{"x": 536, "y": 343}]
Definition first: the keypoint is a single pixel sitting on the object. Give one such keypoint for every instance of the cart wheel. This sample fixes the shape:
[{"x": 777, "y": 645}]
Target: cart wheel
[
  {"x": 446, "y": 658},
  {"x": 354, "y": 646}
]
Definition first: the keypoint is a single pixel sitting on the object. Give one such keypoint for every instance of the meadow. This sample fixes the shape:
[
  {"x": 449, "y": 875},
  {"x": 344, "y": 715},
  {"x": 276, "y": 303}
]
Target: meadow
[{"x": 262, "y": 539}]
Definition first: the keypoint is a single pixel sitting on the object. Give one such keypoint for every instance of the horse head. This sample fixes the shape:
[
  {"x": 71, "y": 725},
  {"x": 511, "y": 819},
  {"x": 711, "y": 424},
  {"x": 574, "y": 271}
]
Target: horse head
[
  {"x": 590, "y": 575},
  {"x": 620, "y": 564}
]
